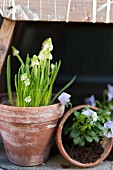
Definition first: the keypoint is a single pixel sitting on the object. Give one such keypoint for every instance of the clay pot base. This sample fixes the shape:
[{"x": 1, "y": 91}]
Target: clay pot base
[{"x": 28, "y": 132}]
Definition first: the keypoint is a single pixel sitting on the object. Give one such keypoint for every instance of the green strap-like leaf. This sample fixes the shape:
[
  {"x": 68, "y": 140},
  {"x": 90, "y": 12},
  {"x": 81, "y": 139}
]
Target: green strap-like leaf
[
  {"x": 9, "y": 81},
  {"x": 63, "y": 89}
]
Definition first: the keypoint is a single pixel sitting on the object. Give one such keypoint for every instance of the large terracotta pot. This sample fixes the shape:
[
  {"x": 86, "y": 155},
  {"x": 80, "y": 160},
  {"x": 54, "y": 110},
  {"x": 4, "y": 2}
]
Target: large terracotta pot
[
  {"x": 106, "y": 145},
  {"x": 28, "y": 132}
]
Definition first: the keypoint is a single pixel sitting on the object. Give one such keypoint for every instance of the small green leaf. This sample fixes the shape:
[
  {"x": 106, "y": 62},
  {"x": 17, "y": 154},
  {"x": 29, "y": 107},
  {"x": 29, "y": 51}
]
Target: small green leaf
[
  {"x": 93, "y": 134},
  {"x": 103, "y": 120},
  {"x": 96, "y": 138},
  {"x": 82, "y": 142},
  {"x": 88, "y": 138},
  {"x": 84, "y": 128},
  {"x": 100, "y": 126},
  {"x": 75, "y": 133},
  {"x": 77, "y": 140},
  {"x": 77, "y": 114}
]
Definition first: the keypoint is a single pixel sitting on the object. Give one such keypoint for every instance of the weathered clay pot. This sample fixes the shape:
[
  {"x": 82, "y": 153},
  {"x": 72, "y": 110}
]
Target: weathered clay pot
[
  {"x": 28, "y": 132},
  {"x": 106, "y": 145}
]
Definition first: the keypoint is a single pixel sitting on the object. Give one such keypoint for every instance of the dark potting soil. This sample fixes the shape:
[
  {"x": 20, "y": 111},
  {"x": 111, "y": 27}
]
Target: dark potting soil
[{"x": 84, "y": 154}]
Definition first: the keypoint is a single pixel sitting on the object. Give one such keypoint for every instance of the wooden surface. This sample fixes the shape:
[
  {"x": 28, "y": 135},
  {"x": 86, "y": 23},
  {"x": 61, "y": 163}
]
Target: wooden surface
[
  {"x": 69, "y": 10},
  {"x": 6, "y": 33}
]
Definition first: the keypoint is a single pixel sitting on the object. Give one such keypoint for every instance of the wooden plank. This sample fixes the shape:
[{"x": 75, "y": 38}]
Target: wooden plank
[
  {"x": 6, "y": 33},
  {"x": 79, "y": 10},
  {"x": 66, "y": 10}
]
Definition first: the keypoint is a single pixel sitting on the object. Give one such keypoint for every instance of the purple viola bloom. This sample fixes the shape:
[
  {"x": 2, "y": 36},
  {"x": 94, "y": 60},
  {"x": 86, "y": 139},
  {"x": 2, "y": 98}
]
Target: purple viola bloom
[
  {"x": 108, "y": 129},
  {"x": 64, "y": 98},
  {"x": 91, "y": 100},
  {"x": 90, "y": 114},
  {"x": 109, "y": 125},
  {"x": 110, "y": 92},
  {"x": 87, "y": 113},
  {"x": 108, "y": 134}
]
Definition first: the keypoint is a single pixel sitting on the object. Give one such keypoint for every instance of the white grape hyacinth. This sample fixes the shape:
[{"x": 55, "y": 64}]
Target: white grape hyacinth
[
  {"x": 27, "y": 82},
  {"x": 28, "y": 99},
  {"x": 24, "y": 77}
]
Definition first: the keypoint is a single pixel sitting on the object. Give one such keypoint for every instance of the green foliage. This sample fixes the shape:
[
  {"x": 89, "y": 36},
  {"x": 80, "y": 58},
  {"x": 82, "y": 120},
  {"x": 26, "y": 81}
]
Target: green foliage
[
  {"x": 86, "y": 125},
  {"x": 35, "y": 78},
  {"x": 9, "y": 81}
]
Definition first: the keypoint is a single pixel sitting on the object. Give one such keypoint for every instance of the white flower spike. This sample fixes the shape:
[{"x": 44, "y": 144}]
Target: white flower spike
[
  {"x": 28, "y": 99},
  {"x": 50, "y": 56},
  {"x": 41, "y": 55},
  {"x": 15, "y": 51},
  {"x": 27, "y": 82},
  {"x": 34, "y": 61},
  {"x": 45, "y": 55},
  {"x": 52, "y": 66},
  {"x": 23, "y": 77},
  {"x": 47, "y": 44},
  {"x": 64, "y": 98}
]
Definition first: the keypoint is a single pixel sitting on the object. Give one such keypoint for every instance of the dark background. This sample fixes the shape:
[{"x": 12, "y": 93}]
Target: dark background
[{"x": 85, "y": 49}]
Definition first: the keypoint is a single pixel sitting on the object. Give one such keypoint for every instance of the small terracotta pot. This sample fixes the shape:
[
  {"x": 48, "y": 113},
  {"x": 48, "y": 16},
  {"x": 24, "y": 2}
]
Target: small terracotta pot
[
  {"x": 106, "y": 145},
  {"x": 28, "y": 132}
]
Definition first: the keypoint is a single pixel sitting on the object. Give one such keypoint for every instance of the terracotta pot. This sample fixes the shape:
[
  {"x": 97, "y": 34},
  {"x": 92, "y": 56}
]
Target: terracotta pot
[
  {"x": 28, "y": 132},
  {"x": 106, "y": 145}
]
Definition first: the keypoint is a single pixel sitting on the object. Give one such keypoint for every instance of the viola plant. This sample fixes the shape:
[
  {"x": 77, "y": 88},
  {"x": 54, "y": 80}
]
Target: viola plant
[
  {"x": 87, "y": 125},
  {"x": 107, "y": 100},
  {"x": 35, "y": 79}
]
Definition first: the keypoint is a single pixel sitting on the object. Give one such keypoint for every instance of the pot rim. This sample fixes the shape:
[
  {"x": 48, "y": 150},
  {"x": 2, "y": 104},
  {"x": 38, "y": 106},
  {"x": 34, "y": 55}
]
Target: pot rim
[
  {"x": 34, "y": 107},
  {"x": 62, "y": 149},
  {"x": 39, "y": 114}
]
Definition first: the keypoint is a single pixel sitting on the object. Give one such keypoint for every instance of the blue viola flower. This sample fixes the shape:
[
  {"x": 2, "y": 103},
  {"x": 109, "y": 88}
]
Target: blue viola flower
[
  {"x": 108, "y": 129},
  {"x": 90, "y": 114},
  {"x": 110, "y": 92},
  {"x": 64, "y": 98},
  {"x": 90, "y": 100}
]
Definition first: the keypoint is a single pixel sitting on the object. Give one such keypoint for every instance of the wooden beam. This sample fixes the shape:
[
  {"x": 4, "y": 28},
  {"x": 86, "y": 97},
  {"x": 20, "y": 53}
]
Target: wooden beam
[
  {"x": 70, "y": 10},
  {"x": 6, "y": 33}
]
